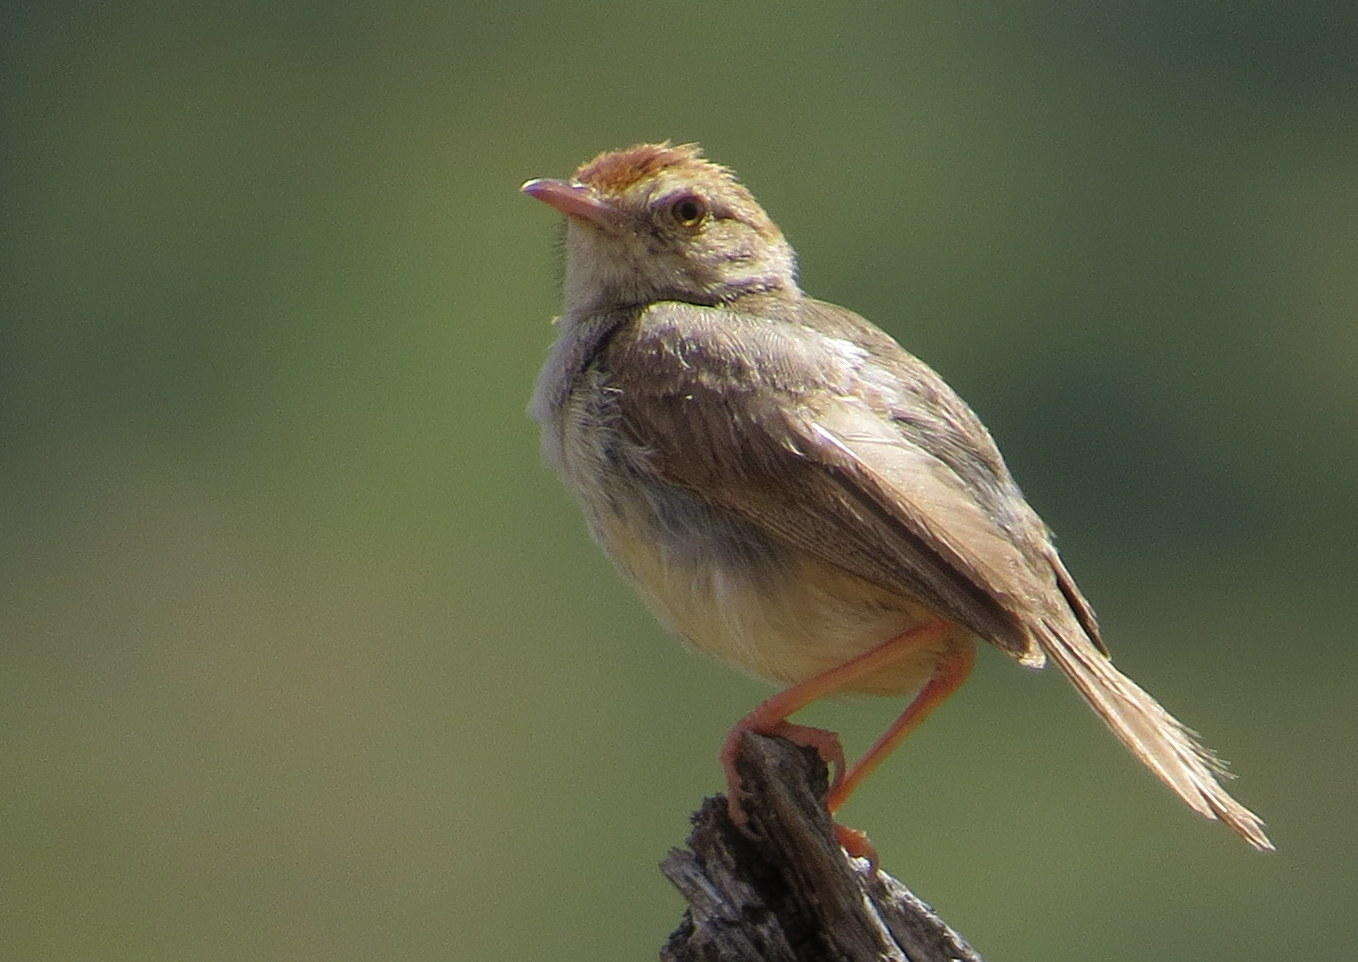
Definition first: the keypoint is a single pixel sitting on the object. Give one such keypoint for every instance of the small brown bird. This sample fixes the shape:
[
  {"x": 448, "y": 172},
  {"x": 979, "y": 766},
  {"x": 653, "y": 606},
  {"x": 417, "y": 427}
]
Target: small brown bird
[{"x": 790, "y": 490}]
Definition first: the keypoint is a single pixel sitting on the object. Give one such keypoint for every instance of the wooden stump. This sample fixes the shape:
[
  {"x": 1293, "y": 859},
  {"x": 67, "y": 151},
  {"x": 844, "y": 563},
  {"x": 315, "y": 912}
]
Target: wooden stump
[{"x": 783, "y": 890}]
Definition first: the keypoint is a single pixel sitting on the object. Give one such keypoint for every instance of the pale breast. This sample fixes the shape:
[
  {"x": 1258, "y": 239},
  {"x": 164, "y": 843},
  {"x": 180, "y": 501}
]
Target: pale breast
[{"x": 765, "y": 608}]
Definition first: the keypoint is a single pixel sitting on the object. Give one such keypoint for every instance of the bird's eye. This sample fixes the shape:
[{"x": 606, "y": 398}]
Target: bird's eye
[{"x": 689, "y": 210}]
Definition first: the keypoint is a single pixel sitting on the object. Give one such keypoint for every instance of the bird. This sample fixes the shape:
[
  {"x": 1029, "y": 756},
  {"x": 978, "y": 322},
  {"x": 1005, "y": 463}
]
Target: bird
[{"x": 792, "y": 492}]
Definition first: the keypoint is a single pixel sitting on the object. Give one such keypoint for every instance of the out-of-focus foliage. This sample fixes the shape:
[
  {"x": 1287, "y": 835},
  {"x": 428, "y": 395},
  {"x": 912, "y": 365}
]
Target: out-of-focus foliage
[{"x": 305, "y": 656}]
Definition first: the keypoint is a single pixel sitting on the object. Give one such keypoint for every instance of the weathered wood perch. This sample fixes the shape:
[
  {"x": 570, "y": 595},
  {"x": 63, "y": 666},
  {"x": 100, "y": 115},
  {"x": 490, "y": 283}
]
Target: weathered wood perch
[{"x": 786, "y": 892}]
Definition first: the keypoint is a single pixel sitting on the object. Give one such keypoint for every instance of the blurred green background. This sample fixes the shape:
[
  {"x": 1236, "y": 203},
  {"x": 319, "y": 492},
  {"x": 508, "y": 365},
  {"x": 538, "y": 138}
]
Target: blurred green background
[{"x": 305, "y": 656}]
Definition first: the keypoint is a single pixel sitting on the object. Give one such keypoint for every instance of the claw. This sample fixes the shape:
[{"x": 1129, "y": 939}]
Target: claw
[
  {"x": 825, "y": 742},
  {"x": 856, "y": 844},
  {"x": 728, "y": 765}
]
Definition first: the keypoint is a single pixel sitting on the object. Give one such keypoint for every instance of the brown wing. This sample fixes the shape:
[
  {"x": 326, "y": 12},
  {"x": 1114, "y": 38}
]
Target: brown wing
[{"x": 794, "y": 430}]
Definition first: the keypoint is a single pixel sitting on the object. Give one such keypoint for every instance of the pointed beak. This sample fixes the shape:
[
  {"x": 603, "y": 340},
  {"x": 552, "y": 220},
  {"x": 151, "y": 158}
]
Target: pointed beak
[{"x": 573, "y": 200}]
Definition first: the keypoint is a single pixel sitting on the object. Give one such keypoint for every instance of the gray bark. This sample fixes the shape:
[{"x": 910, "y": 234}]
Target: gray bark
[{"x": 782, "y": 890}]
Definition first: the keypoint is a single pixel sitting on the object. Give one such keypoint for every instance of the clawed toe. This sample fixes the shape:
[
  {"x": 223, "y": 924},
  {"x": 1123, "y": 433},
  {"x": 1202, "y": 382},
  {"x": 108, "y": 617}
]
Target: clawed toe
[
  {"x": 825, "y": 742},
  {"x": 856, "y": 844}
]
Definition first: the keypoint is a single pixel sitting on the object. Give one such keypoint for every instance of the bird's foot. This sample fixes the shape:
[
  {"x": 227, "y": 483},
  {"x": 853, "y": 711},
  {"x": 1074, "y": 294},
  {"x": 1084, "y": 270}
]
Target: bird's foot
[
  {"x": 856, "y": 844},
  {"x": 826, "y": 743}
]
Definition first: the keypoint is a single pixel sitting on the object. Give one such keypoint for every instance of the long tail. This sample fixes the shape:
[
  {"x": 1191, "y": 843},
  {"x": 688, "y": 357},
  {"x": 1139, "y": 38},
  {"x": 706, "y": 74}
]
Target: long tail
[{"x": 1154, "y": 736}]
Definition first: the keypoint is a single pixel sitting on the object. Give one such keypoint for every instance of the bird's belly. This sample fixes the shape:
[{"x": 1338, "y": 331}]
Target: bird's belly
[{"x": 769, "y": 609}]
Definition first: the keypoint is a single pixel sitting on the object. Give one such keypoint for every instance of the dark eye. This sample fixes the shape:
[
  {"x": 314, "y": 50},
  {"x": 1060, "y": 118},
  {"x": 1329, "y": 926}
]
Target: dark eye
[{"x": 688, "y": 210}]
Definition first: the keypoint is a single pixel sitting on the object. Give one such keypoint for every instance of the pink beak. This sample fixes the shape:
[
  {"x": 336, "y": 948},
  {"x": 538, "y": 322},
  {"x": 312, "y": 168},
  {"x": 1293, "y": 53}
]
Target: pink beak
[{"x": 573, "y": 200}]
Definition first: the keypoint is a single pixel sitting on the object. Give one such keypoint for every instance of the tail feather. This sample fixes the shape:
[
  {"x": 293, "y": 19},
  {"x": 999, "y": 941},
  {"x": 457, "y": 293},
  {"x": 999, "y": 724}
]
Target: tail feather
[{"x": 1153, "y": 735}]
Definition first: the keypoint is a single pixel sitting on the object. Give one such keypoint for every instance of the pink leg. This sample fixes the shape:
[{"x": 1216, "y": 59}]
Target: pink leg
[
  {"x": 951, "y": 670},
  {"x": 770, "y": 716}
]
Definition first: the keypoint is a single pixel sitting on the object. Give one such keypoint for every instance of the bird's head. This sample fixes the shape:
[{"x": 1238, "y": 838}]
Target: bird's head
[{"x": 660, "y": 222}]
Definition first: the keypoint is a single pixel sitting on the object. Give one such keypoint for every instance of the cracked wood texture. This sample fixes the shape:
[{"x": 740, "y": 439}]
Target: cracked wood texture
[{"x": 785, "y": 891}]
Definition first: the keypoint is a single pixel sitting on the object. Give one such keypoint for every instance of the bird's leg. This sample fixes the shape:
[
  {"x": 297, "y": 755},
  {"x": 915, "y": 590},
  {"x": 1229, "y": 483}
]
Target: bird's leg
[
  {"x": 770, "y": 716},
  {"x": 952, "y": 669}
]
